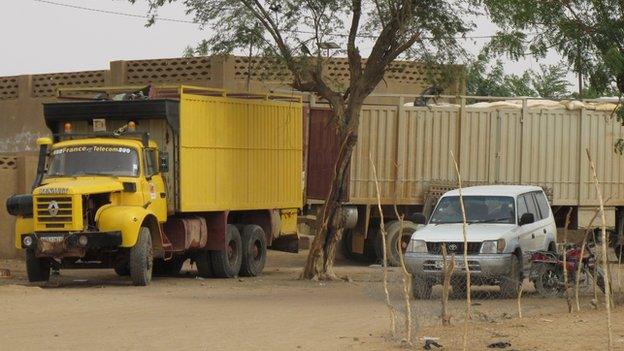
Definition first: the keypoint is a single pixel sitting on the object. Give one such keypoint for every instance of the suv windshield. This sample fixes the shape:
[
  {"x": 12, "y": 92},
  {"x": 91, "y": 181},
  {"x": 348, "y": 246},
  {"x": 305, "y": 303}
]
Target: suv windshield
[
  {"x": 479, "y": 209},
  {"x": 110, "y": 160}
]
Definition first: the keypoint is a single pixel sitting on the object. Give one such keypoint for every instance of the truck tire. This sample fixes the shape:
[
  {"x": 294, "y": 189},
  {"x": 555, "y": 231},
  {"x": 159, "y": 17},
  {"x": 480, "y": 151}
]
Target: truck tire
[
  {"x": 227, "y": 263},
  {"x": 168, "y": 268},
  {"x": 369, "y": 255},
  {"x": 37, "y": 269},
  {"x": 392, "y": 240},
  {"x": 510, "y": 284},
  {"x": 142, "y": 259},
  {"x": 122, "y": 270},
  {"x": 254, "y": 251},
  {"x": 203, "y": 263},
  {"x": 421, "y": 288}
]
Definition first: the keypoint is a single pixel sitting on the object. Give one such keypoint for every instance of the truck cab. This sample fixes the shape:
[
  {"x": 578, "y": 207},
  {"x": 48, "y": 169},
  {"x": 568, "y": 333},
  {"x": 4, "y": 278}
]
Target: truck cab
[{"x": 97, "y": 201}]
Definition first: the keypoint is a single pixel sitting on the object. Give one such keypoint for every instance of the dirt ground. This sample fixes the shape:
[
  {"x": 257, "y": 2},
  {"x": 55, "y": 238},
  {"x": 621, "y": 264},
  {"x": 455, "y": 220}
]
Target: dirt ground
[{"x": 96, "y": 310}]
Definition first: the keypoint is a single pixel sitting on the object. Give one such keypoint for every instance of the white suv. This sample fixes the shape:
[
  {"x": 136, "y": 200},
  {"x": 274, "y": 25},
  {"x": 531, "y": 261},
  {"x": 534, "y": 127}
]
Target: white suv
[{"x": 505, "y": 224}]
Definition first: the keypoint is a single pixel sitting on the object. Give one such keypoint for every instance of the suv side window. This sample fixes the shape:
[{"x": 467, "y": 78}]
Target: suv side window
[
  {"x": 522, "y": 207},
  {"x": 542, "y": 204},
  {"x": 532, "y": 208}
]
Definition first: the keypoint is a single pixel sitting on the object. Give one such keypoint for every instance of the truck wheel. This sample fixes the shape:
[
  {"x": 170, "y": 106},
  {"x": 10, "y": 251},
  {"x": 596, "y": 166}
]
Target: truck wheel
[
  {"x": 394, "y": 240},
  {"x": 37, "y": 269},
  {"x": 122, "y": 270},
  {"x": 168, "y": 268},
  {"x": 510, "y": 284},
  {"x": 204, "y": 266},
  {"x": 421, "y": 288},
  {"x": 227, "y": 263},
  {"x": 142, "y": 259},
  {"x": 254, "y": 251},
  {"x": 369, "y": 255}
]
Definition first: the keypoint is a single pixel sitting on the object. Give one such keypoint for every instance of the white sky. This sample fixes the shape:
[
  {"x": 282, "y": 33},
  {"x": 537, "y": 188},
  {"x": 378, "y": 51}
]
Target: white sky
[{"x": 39, "y": 37}]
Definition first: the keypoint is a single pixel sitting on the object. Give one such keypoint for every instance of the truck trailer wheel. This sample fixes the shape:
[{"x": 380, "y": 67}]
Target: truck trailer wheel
[
  {"x": 395, "y": 238},
  {"x": 369, "y": 255},
  {"x": 37, "y": 269},
  {"x": 142, "y": 259},
  {"x": 510, "y": 284},
  {"x": 227, "y": 263},
  {"x": 254, "y": 250},
  {"x": 168, "y": 268},
  {"x": 204, "y": 264}
]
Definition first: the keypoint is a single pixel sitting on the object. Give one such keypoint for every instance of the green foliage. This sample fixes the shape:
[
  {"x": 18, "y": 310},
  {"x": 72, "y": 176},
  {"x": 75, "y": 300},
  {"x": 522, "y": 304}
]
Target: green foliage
[
  {"x": 296, "y": 32},
  {"x": 588, "y": 33},
  {"x": 549, "y": 82}
]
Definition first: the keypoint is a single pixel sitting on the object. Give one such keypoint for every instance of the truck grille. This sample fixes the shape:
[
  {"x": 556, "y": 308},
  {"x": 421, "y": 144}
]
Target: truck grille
[
  {"x": 53, "y": 212},
  {"x": 453, "y": 247}
]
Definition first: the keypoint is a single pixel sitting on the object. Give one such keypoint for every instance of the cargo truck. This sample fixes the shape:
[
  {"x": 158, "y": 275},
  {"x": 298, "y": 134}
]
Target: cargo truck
[
  {"x": 524, "y": 141},
  {"x": 142, "y": 181}
]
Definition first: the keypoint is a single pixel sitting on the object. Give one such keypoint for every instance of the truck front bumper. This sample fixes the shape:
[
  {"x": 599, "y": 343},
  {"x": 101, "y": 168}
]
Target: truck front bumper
[
  {"x": 69, "y": 245},
  {"x": 482, "y": 266}
]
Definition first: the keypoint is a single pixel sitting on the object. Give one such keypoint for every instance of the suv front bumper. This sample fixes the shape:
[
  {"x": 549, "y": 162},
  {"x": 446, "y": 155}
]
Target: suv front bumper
[
  {"x": 69, "y": 245},
  {"x": 481, "y": 265}
]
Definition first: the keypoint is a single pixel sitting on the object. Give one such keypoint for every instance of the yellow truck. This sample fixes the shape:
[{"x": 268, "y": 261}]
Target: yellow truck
[{"x": 142, "y": 180}]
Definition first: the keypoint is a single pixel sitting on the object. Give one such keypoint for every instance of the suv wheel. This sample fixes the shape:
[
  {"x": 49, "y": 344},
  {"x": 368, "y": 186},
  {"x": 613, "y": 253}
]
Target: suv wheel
[
  {"x": 421, "y": 288},
  {"x": 510, "y": 284}
]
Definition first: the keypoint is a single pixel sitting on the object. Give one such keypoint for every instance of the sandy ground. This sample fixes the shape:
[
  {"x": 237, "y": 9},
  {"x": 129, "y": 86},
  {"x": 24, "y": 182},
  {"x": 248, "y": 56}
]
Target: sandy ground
[{"x": 96, "y": 310}]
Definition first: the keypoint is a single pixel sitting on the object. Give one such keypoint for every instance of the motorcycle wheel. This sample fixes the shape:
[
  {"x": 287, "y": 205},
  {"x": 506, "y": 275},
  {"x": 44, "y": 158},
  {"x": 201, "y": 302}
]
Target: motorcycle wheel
[{"x": 549, "y": 280}]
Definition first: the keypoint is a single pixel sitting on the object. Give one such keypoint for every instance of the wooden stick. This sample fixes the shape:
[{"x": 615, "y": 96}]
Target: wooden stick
[
  {"x": 464, "y": 232},
  {"x": 382, "y": 233},
  {"x": 407, "y": 281},
  {"x": 578, "y": 269},
  {"x": 605, "y": 260},
  {"x": 449, "y": 266},
  {"x": 519, "y": 301},
  {"x": 565, "y": 261}
]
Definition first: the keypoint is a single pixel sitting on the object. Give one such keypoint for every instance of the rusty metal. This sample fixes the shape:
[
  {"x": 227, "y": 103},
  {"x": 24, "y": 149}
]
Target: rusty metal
[
  {"x": 323, "y": 148},
  {"x": 186, "y": 233}
]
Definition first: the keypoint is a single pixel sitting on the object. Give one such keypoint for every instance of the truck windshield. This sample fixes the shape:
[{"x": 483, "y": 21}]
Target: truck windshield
[
  {"x": 479, "y": 209},
  {"x": 109, "y": 160}
]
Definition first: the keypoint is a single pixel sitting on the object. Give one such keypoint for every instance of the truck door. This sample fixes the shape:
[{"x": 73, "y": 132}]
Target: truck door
[{"x": 154, "y": 190}]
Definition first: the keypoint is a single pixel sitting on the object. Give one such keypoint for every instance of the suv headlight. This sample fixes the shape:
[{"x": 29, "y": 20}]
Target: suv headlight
[
  {"x": 417, "y": 246},
  {"x": 493, "y": 246}
]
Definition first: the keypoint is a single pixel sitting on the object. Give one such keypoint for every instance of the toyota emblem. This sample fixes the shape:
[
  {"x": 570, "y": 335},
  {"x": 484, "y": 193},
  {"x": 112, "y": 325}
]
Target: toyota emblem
[
  {"x": 53, "y": 208},
  {"x": 451, "y": 247}
]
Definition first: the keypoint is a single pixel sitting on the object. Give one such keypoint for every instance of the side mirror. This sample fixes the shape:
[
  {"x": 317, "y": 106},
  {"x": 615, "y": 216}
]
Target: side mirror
[
  {"x": 527, "y": 218},
  {"x": 418, "y": 218},
  {"x": 164, "y": 162}
]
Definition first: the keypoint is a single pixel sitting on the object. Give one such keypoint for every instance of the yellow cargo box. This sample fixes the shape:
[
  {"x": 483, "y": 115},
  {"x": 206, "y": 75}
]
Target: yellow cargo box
[{"x": 239, "y": 153}]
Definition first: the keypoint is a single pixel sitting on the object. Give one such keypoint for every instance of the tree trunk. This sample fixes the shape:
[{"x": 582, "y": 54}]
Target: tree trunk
[{"x": 318, "y": 263}]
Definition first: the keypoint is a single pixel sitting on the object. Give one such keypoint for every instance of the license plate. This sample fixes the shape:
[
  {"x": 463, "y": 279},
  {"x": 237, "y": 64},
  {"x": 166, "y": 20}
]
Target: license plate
[
  {"x": 459, "y": 265},
  {"x": 51, "y": 239}
]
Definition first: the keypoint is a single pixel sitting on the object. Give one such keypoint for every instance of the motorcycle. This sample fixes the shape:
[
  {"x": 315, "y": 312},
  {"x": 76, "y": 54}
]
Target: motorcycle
[{"x": 547, "y": 270}]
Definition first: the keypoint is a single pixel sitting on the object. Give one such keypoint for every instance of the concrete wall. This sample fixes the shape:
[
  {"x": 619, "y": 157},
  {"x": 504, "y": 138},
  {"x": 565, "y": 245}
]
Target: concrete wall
[{"x": 17, "y": 172}]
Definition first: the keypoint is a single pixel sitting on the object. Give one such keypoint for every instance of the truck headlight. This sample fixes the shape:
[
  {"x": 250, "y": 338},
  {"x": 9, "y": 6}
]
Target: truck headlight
[
  {"x": 417, "y": 246},
  {"x": 493, "y": 246}
]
